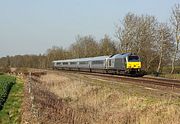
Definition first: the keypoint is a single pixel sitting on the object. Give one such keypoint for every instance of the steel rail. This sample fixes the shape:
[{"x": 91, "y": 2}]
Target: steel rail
[
  {"x": 143, "y": 80},
  {"x": 146, "y": 80}
]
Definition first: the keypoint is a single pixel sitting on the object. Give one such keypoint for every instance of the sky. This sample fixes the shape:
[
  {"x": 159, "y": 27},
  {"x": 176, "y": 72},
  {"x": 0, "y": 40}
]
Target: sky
[{"x": 33, "y": 26}]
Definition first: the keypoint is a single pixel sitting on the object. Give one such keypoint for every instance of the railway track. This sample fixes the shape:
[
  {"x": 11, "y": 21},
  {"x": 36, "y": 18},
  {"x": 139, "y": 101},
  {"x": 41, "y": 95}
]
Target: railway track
[
  {"x": 171, "y": 83},
  {"x": 142, "y": 80}
]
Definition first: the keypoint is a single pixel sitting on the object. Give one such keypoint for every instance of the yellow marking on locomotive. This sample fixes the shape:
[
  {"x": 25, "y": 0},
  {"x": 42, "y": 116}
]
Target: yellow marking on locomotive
[{"x": 134, "y": 65}]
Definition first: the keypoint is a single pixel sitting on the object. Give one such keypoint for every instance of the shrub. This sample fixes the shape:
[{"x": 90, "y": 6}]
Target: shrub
[{"x": 6, "y": 83}]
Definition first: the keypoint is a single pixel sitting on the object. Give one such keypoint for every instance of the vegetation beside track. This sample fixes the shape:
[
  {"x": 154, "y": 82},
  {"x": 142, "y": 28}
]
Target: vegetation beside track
[
  {"x": 118, "y": 102},
  {"x": 171, "y": 76},
  {"x": 78, "y": 98},
  {"x": 11, "y": 112},
  {"x": 6, "y": 83}
]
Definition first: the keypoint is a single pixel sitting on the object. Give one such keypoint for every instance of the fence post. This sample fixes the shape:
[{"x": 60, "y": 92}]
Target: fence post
[{"x": 29, "y": 82}]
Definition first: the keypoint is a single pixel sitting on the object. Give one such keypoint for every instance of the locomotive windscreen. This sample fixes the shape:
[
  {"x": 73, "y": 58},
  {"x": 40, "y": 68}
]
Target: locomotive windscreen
[{"x": 133, "y": 59}]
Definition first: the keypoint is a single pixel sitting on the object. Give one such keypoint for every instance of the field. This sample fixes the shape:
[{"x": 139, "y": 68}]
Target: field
[
  {"x": 11, "y": 111},
  {"x": 6, "y": 83},
  {"x": 74, "y": 98}
]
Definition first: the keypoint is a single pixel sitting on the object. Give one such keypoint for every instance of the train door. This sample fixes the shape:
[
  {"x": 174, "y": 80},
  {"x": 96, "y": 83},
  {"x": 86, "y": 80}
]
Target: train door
[
  {"x": 106, "y": 63},
  {"x": 110, "y": 63}
]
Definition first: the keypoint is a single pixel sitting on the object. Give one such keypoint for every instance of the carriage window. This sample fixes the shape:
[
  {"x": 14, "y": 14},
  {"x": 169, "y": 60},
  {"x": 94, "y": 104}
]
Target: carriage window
[
  {"x": 65, "y": 63},
  {"x": 73, "y": 63},
  {"x": 58, "y": 63},
  {"x": 83, "y": 63},
  {"x": 98, "y": 62},
  {"x": 133, "y": 59}
]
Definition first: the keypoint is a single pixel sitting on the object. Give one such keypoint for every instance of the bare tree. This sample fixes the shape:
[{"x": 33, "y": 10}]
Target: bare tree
[
  {"x": 55, "y": 53},
  {"x": 137, "y": 35},
  {"x": 164, "y": 44},
  {"x": 107, "y": 46},
  {"x": 126, "y": 32},
  {"x": 84, "y": 47},
  {"x": 175, "y": 21}
]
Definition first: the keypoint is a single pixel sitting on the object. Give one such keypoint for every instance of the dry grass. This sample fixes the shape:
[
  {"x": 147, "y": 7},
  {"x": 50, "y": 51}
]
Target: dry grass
[
  {"x": 172, "y": 76},
  {"x": 100, "y": 104}
]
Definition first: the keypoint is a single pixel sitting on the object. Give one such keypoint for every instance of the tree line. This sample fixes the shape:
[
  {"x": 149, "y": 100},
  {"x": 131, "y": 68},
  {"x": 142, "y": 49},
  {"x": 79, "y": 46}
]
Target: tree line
[{"x": 157, "y": 43}]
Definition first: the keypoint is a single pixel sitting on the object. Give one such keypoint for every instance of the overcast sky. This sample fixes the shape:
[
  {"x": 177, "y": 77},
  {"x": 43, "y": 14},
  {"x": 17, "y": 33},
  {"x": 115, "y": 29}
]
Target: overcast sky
[{"x": 33, "y": 26}]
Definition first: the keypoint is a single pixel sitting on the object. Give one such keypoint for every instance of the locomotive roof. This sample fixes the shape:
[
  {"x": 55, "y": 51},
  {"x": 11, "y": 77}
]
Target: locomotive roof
[{"x": 123, "y": 55}]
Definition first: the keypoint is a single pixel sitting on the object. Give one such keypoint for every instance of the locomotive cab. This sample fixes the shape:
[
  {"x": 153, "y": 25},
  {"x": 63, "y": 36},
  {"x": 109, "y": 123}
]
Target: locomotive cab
[{"x": 133, "y": 64}]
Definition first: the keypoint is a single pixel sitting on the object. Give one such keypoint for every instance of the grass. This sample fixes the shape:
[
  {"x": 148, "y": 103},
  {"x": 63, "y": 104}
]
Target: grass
[
  {"x": 172, "y": 76},
  {"x": 166, "y": 72},
  {"x": 167, "y": 69},
  {"x": 6, "y": 82},
  {"x": 103, "y": 101},
  {"x": 11, "y": 112}
]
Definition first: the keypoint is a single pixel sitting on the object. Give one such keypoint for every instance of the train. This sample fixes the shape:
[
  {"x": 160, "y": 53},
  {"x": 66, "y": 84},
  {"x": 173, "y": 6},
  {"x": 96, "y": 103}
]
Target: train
[{"x": 121, "y": 64}]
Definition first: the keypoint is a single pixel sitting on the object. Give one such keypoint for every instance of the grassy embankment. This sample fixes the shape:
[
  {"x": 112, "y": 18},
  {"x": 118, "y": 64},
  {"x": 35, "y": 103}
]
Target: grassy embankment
[
  {"x": 171, "y": 76},
  {"x": 105, "y": 101},
  {"x": 166, "y": 72},
  {"x": 11, "y": 111}
]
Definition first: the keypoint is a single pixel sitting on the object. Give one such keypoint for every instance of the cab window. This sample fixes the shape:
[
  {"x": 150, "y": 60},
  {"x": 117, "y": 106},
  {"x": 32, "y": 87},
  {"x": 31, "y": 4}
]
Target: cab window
[{"x": 133, "y": 59}]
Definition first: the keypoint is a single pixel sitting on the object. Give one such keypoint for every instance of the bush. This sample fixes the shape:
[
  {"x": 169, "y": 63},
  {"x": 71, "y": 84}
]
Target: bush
[
  {"x": 6, "y": 83},
  {"x": 1, "y": 73}
]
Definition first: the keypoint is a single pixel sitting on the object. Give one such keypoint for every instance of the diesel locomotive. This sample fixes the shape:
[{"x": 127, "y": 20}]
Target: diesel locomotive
[{"x": 126, "y": 64}]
